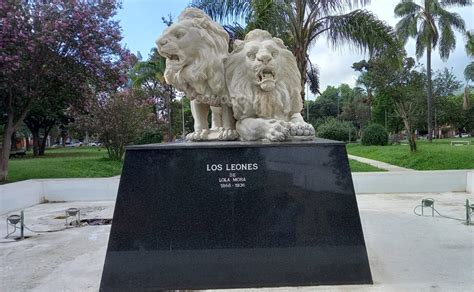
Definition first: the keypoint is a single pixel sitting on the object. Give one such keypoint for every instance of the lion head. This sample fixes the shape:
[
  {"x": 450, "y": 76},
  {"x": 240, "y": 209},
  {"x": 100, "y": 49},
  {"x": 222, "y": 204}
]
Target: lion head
[
  {"x": 194, "y": 48},
  {"x": 263, "y": 78}
]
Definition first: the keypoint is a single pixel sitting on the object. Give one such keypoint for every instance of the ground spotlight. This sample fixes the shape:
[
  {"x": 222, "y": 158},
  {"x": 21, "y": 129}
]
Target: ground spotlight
[
  {"x": 427, "y": 203},
  {"x": 13, "y": 221},
  {"x": 73, "y": 212},
  {"x": 469, "y": 212}
]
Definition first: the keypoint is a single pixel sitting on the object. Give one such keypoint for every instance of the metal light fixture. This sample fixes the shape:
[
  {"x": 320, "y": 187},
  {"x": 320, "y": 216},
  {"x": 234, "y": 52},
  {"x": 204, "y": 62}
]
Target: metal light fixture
[
  {"x": 13, "y": 221},
  {"x": 469, "y": 211},
  {"x": 427, "y": 203},
  {"x": 74, "y": 212}
]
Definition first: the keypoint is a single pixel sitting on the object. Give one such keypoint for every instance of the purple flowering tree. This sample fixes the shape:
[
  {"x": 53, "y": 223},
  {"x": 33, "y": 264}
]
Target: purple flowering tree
[{"x": 48, "y": 45}]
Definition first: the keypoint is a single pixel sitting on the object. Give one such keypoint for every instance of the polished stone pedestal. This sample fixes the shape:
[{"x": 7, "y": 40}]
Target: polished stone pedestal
[{"x": 234, "y": 214}]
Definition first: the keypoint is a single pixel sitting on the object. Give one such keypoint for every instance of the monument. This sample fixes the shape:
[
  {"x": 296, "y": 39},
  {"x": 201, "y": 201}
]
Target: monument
[{"x": 276, "y": 208}]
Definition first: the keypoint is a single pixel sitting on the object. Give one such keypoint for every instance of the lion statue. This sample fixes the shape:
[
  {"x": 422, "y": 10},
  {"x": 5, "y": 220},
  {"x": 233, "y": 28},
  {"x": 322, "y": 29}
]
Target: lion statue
[
  {"x": 195, "y": 48},
  {"x": 264, "y": 86}
]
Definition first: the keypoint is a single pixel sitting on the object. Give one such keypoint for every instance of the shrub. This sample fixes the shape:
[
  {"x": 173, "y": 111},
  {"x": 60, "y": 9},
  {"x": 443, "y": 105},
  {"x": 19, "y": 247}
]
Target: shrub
[
  {"x": 374, "y": 134},
  {"x": 150, "y": 137},
  {"x": 333, "y": 129}
]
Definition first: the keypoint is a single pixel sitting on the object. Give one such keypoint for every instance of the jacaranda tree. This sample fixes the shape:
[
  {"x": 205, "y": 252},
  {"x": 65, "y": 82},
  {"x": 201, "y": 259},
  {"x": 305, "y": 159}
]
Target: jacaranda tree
[{"x": 49, "y": 44}]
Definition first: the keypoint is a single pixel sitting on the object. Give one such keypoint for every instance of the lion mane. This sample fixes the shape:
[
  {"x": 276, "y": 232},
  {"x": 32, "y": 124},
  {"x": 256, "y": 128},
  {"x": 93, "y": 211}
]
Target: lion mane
[
  {"x": 200, "y": 70},
  {"x": 246, "y": 75}
]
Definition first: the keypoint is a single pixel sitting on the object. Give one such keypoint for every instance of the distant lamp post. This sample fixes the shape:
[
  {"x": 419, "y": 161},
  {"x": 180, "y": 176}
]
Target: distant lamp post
[{"x": 338, "y": 97}]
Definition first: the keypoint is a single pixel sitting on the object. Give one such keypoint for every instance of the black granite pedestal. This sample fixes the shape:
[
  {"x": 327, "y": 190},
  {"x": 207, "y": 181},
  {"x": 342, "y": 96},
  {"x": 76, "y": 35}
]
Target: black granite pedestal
[{"x": 228, "y": 215}]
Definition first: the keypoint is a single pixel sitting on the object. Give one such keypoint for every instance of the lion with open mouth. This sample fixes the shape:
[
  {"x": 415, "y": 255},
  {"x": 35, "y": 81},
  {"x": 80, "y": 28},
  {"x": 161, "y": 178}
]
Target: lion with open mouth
[
  {"x": 195, "y": 48},
  {"x": 263, "y": 82}
]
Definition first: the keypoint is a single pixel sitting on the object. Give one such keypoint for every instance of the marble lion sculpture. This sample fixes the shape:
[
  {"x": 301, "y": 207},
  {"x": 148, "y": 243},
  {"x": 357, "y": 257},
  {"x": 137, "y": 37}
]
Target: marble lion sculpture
[
  {"x": 195, "y": 48},
  {"x": 264, "y": 85}
]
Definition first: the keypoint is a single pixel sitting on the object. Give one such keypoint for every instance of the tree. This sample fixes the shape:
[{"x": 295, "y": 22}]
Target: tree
[
  {"x": 118, "y": 119},
  {"x": 365, "y": 81},
  {"x": 432, "y": 26},
  {"x": 178, "y": 108},
  {"x": 401, "y": 82},
  {"x": 302, "y": 22},
  {"x": 324, "y": 106},
  {"x": 469, "y": 71},
  {"x": 149, "y": 75},
  {"x": 445, "y": 85},
  {"x": 50, "y": 44}
]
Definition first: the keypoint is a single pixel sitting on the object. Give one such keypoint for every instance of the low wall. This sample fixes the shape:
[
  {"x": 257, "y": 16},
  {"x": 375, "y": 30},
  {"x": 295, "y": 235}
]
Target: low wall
[
  {"x": 86, "y": 189},
  {"x": 20, "y": 195},
  {"x": 413, "y": 181},
  {"x": 470, "y": 182}
]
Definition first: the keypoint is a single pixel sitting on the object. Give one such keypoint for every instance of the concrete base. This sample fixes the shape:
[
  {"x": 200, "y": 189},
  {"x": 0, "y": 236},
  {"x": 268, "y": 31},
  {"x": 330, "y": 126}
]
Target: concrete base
[{"x": 406, "y": 252}]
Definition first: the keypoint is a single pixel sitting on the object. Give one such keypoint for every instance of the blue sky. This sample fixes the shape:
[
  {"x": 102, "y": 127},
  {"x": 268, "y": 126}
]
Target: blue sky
[{"x": 141, "y": 23}]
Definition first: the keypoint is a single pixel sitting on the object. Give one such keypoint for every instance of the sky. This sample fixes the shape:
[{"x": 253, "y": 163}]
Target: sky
[{"x": 142, "y": 24}]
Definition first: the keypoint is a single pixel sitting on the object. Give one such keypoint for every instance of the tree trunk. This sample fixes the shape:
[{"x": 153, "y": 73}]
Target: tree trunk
[
  {"x": 300, "y": 55},
  {"x": 430, "y": 94},
  {"x": 6, "y": 146},
  {"x": 36, "y": 142},
  {"x": 42, "y": 147}
]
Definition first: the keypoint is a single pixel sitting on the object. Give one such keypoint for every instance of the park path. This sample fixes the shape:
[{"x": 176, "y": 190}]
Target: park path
[{"x": 379, "y": 164}]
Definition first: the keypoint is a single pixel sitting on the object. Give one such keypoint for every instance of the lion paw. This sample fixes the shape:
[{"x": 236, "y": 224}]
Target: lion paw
[
  {"x": 228, "y": 135},
  {"x": 302, "y": 129},
  {"x": 199, "y": 135},
  {"x": 278, "y": 132}
]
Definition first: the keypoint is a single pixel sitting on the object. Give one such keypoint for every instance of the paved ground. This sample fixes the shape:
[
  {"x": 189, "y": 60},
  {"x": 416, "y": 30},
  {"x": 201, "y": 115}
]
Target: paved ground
[
  {"x": 379, "y": 164},
  {"x": 406, "y": 252}
]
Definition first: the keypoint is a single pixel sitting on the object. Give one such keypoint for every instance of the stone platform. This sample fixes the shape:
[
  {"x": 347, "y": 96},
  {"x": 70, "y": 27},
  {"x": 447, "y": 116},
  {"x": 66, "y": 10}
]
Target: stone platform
[{"x": 235, "y": 215}]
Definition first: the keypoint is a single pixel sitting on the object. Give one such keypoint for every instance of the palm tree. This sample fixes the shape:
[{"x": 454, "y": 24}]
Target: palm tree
[
  {"x": 149, "y": 75},
  {"x": 300, "y": 23},
  {"x": 432, "y": 26},
  {"x": 469, "y": 70}
]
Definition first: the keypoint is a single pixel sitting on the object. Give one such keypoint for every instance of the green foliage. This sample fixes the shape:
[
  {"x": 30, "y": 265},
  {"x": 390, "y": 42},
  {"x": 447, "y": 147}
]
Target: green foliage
[
  {"x": 150, "y": 137},
  {"x": 336, "y": 130},
  {"x": 430, "y": 24},
  {"x": 118, "y": 119},
  {"x": 301, "y": 23},
  {"x": 469, "y": 72},
  {"x": 374, "y": 134},
  {"x": 324, "y": 106},
  {"x": 177, "y": 109}
]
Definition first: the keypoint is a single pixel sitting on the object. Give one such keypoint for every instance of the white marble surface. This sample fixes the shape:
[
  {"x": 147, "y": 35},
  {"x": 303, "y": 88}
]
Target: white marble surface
[
  {"x": 265, "y": 88},
  {"x": 195, "y": 47},
  {"x": 257, "y": 87}
]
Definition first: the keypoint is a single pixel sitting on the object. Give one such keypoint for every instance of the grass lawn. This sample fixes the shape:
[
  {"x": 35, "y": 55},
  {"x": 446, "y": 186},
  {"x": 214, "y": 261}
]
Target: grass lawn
[
  {"x": 357, "y": 166},
  {"x": 87, "y": 162},
  {"x": 64, "y": 163},
  {"x": 438, "y": 155}
]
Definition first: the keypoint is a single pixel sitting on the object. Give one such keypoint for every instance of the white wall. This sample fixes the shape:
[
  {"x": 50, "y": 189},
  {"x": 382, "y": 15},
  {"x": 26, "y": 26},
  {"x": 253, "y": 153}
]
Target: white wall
[
  {"x": 28, "y": 193},
  {"x": 81, "y": 189},
  {"x": 470, "y": 182},
  {"x": 20, "y": 195},
  {"x": 410, "y": 181}
]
